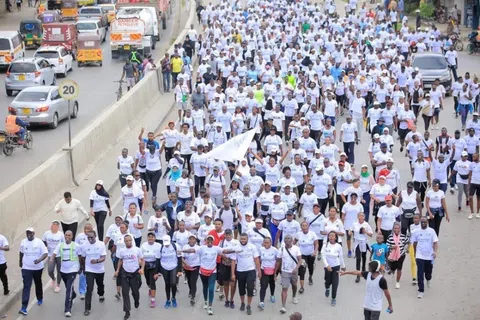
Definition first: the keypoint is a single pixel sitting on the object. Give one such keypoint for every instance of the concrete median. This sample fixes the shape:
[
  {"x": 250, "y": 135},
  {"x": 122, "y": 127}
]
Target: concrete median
[{"x": 28, "y": 200}]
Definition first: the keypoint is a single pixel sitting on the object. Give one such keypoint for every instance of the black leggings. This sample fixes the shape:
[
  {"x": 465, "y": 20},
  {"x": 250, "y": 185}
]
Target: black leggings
[
  {"x": 246, "y": 281},
  {"x": 406, "y": 223},
  {"x": 421, "y": 188},
  {"x": 192, "y": 277},
  {"x": 100, "y": 217},
  {"x": 426, "y": 120},
  {"x": 266, "y": 281},
  {"x": 435, "y": 223},
  {"x": 153, "y": 177},
  {"x": 169, "y": 153},
  {"x": 310, "y": 262},
  {"x": 360, "y": 257},
  {"x": 199, "y": 182},
  {"x": 170, "y": 278},
  {"x": 186, "y": 162},
  {"x": 149, "y": 273},
  {"x": 331, "y": 279}
]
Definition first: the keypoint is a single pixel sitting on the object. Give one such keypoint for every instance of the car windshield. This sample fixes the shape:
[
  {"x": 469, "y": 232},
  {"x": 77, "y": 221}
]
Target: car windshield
[
  {"x": 47, "y": 54},
  {"x": 430, "y": 63},
  {"x": 90, "y": 11},
  {"x": 4, "y": 44},
  {"x": 86, "y": 26},
  {"x": 22, "y": 67},
  {"x": 31, "y": 96}
]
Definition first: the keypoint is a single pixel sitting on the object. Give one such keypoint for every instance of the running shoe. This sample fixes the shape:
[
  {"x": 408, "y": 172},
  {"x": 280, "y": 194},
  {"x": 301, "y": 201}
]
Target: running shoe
[
  {"x": 101, "y": 299},
  {"x": 357, "y": 279},
  {"x": 153, "y": 303},
  {"x": 86, "y": 313},
  {"x": 283, "y": 310},
  {"x": 349, "y": 253},
  {"x": 227, "y": 304},
  {"x": 68, "y": 314},
  {"x": 327, "y": 293},
  {"x": 39, "y": 302},
  {"x": 221, "y": 295},
  {"x": 397, "y": 285},
  {"x": 470, "y": 216},
  {"x": 127, "y": 315},
  {"x": 205, "y": 305},
  {"x": 295, "y": 300},
  {"x": 249, "y": 310},
  {"x": 23, "y": 311},
  {"x": 232, "y": 305},
  {"x": 192, "y": 300},
  {"x": 272, "y": 299},
  {"x": 242, "y": 307},
  {"x": 476, "y": 216},
  {"x": 210, "y": 311},
  {"x": 167, "y": 304},
  {"x": 261, "y": 306},
  {"x": 57, "y": 289},
  {"x": 334, "y": 302},
  {"x": 301, "y": 291},
  {"x": 310, "y": 281},
  {"x": 452, "y": 191},
  {"x": 420, "y": 295},
  {"x": 118, "y": 296},
  {"x": 414, "y": 281},
  {"x": 174, "y": 302}
]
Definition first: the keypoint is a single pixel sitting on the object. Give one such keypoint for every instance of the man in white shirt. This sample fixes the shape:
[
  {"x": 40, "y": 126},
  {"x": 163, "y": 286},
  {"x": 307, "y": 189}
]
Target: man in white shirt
[
  {"x": 69, "y": 208},
  {"x": 452, "y": 60},
  {"x": 349, "y": 136},
  {"x": 33, "y": 252},
  {"x": 4, "y": 246},
  {"x": 425, "y": 244}
]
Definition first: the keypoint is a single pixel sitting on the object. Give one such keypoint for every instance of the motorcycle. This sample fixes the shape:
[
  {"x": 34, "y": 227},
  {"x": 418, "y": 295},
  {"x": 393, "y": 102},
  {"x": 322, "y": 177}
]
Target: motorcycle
[
  {"x": 473, "y": 45},
  {"x": 11, "y": 141}
]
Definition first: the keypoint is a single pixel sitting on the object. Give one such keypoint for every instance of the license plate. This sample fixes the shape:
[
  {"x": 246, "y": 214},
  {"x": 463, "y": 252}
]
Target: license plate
[
  {"x": 126, "y": 47},
  {"x": 29, "y": 42},
  {"x": 2, "y": 138},
  {"x": 21, "y": 77},
  {"x": 26, "y": 111}
]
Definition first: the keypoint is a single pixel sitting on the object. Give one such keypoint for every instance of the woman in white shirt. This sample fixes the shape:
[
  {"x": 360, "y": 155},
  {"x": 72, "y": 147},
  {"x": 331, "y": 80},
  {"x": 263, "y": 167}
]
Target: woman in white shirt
[
  {"x": 153, "y": 168},
  {"x": 125, "y": 165},
  {"x": 268, "y": 260},
  {"x": 191, "y": 267},
  {"x": 151, "y": 255},
  {"x": 216, "y": 187},
  {"x": 436, "y": 206},
  {"x": 135, "y": 223},
  {"x": 332, "y": 255},
  {"x": 238, "y": 121},
  {"x": 272, "y": 168},
  {"x": 306, "y": 240},
  {"x": 361, "y": 230},
  {"x": 184, "y": 187},
  {"x": 333, "y": 223},
  {"x": 172, "y": 138},
  {"x": 99, "y": 205},
  {"x": 366, "y": 183},
  {"x": 409, "y": 202},
  {"x": 378, "y": 193}
]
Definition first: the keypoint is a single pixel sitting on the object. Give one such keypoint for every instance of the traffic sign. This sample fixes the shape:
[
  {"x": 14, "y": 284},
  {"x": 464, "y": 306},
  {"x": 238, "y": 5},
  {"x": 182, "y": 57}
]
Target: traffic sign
[{"x": 68, "y": 90}]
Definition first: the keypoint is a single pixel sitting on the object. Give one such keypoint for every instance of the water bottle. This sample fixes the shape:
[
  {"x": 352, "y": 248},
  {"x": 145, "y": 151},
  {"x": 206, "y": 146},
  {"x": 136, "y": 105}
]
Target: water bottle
[
  {"x": 433, "y": 261},
  {"x": 388, "y": 310},
  {"x": 156, "y": 227},
  {"x": 145, "y": 211}
]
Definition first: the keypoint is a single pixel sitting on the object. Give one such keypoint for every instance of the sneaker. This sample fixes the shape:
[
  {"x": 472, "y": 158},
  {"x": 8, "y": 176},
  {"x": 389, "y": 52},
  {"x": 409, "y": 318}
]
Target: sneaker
[
  {"x": 127, "y": 315},
  {"x": 6, "y": 292},
  {"x": 68, "y": 314},
  {"x": 86, "y": 313},
  {"x": 205, "y": 305},
  {"x": 327, "y": 293},
  {"x": 101, "y": 299},
  {"x": 349, "y": 253},
  {"x": 185, "y": 282},
  {"x": 429, "y": 283},
  {"x": 232, "y": 305},
  {"x": 261, "y": 306},
  {"x": 470, "y": 216},
  {"x": 249, "y": 310},
  {"x": 254, "y": 292},
  {"x": 334, "y": 302},
  {"x": 272, "y": 299},
  {"x": 310, "y": 281},
  {"x": 227, "y": 304},
  {"x": 210, "y": 311},
  {"x": 319, "y": 257},
  {"x": 57, "y": 289},
  {"x": 23, "y": 311},
  {"x": 397, "y": 285},
  {"x": 174, "y": 302},
  {"x": 167, "y": 304},
  {"x": 242, "y": 307},
  {"x": 452, "y": 191},
  {"x": 153, "y": 303},
  {"x": 357, "y": 279},
  {"x": 456, "y": 187},
  {"x": 137, "y": 304},
  {"x": 295, "y": 300},
  {"x": 217, "y": 289},
  {"x": 221, "y": 296},
  {"x": 192, "y": 301},
  {"x": 301, "y": 291},
  {"x": 476, "y": 216},
  {"x": 82, "y": 297},
  {"x": 283, "y": 310},
  {"x": 420, "y": 295},
  {"x": 39, "y": 302},
  {"x": 414, "y": 281},
  {"x": 118, "y": 296}
]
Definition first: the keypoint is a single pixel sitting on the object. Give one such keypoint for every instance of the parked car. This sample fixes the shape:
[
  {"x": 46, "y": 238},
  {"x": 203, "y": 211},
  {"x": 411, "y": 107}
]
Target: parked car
[
  {"x": 92, "y": 26},
  {"x": 28, "y": 72},
  {"x": 58, "y": 56},
  {"x": 433, "y": 66},
  {"x": 43, "y": 106}
]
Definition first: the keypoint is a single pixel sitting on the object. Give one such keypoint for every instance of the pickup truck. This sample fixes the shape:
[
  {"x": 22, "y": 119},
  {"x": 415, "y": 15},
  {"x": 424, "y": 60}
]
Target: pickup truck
[{"x": 93, "y": 12}]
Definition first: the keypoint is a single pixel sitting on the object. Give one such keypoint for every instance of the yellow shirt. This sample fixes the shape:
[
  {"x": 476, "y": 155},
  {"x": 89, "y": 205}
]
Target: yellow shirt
[{"x": 177, "y": 64}]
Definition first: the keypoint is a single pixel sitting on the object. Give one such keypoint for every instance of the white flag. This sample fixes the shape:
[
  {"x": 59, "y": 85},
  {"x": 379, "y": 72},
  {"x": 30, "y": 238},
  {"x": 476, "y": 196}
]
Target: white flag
[{"x": 234, "y": 149}]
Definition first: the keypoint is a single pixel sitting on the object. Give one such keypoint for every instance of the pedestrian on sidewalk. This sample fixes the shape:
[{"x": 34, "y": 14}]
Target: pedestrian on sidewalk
[
  {"x": 52, "y": 238},
  {"x": 4, "y": 246},
  {"x": 69, "y": 209},
  {"x": 33, "y": 252},
  {"x": 19, "y": 5},
  {"x": 92, "y": 263},
  {"x": 68, "y": 253}
]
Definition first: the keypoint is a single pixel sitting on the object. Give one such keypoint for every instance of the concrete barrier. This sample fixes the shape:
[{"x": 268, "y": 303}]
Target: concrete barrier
[{"x": 33, "y": 196}]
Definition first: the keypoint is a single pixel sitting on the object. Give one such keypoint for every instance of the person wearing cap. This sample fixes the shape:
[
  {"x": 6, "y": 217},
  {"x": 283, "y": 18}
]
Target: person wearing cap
[
  {"x": 273, "y": 141},
  {"x": 135, "y": 223},
  {"x": 69, "y": 208},
  {"x": 427, "y": 107},
  {"x": 151, "y": 254},
  {"x": 92, "y": 264},
  {"x": 125, "y": 165},
  {"x": 170, "y": 268},
  {"x": 51, "y": 239},
  {"x": 132, "y": 194},
  {"x": 322, "y": 188},
  {"x": 461, "y": 171},
  {"x": 350, "y": 211},
  {"x": 199, "y": 165},
  {"x": 132, "y": 264},
  {"x": 378, "y": 192},
  {"x": 289, "y": 260},
  {"x": 344, "y": 178},
  {"x": 258, "y": 233},
  {"x": 68, "y": 253},
  {"x": 387, "y": 215},
  {"x": 33, "y": 252},
  {"x": 158, "y": 224},
  {"x": 288, "y": 226},
  {"x": 393, "y": 176},
  {"x": 191, "y": 267},
  {"x": 413, "y": 147},
  {"x": 360, "y": 231},
  {"x": 349, "y": 136},
  {"x": 99, "y": 206},
  {"x": 455, "y": 146}
]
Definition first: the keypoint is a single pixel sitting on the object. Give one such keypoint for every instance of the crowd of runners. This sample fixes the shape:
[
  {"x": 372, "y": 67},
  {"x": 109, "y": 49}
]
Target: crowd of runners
[{"x": 312, "y": 84}]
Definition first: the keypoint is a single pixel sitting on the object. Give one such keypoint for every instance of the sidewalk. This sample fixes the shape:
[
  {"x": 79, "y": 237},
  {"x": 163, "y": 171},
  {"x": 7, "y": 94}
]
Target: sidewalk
[
  {"x": 160, "y": 112},
  {"x": 11, "y": 20}
]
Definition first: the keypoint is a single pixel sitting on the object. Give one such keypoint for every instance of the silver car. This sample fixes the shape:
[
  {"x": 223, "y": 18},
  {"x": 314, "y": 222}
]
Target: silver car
[
  {"x": 28, "y": 72},
  {"x": 433, "y": 66},
  {"x": 43, "y": 106}
]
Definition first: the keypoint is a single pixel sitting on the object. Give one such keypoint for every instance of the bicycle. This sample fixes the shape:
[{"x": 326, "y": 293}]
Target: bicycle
[{"x": 119, "y": 92}]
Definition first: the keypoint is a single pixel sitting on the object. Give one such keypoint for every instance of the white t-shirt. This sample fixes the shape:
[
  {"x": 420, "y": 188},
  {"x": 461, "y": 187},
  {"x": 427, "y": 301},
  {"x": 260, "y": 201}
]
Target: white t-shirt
[
  {"x": 288, "y": 264},
  {"x": 191, "y": 259},
  {"x": 52, "y": 240},
  {"x": 111, "y": 233},
  {"x": 349, "y": 130},
  {"x": 3, "y": 243},
  {"x": 130, "y": 258},
  {"x": 435, "y": 198},
  {"x": 351, "y": 212},
  {"x": 190, "y": 220},
  {"x": 184, "y": 185},
  {"x": 208, "y": 257},
  {"x": 136, "y": 219},
  {"x": 169, "y": 255},
  {"x": 321, "y": 185},
  {"x": 332, "y": 255},
  {"x": 268, "y": 257},
  {"x": 425, "y": 238},
  {"x": 289, "y": 227},
  {"x": 93, "y": 252},
  {"x": 245, "y": 257},
  {"x": 336, "y": 226},
  {"x": 306, "y": 242},
  {"x": 157, "y": 224},
  {"x": 125, "y": 164},
  {"x": 150, "y": 252},
  {"x": 388, "y": 216},
  {"x": 152, "y": 161},
  {"x": 256, "y": 239},
  {"x": 32, "y": 250},
  {"x": 308, "y": 201}
]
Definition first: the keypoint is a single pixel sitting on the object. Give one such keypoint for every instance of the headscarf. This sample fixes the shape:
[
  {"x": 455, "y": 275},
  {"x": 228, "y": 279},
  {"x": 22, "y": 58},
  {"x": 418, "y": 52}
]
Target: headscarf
[{"x": 102, "y": 192}]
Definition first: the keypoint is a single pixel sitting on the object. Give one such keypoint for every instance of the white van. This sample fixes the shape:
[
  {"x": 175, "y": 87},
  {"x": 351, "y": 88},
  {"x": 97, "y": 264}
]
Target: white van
[{"x": 11, "y": 47}]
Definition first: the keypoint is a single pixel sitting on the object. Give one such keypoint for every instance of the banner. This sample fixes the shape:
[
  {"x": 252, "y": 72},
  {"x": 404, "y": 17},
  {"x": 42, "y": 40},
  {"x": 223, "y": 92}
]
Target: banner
[{"x": 234, "y": 149}]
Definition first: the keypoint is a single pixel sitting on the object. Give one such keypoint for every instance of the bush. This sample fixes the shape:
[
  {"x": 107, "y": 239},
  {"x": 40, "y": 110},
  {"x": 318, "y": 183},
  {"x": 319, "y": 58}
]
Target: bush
[{"x": 427, "y": 10}]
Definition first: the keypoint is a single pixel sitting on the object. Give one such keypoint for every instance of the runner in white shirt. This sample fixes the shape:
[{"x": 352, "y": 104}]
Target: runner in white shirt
[
  {"x": 268, "y": 258},
  {"x": 306, "y": 240},
  {"x": 361, "y": 230},
  {"x": 350, "y": 211},
  {"x": 151, "y": 254},
  {"x": 4, "y": 246},
  {"x": 158, "y": 224},
  {"x": 288, "y": 226},
  {"x": 387, "y": 215},
  {"x": 52, "y": 239},
  {"x": 332, "y": 255}
]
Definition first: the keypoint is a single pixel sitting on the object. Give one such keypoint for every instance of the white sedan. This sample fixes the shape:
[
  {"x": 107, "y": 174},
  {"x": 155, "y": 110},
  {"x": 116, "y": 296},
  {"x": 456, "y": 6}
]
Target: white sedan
[{"x": 57, "y": 56}]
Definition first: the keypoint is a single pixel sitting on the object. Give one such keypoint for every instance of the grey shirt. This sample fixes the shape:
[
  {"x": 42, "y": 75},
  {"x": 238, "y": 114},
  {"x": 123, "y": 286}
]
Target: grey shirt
[
  {"x": 198, "y": 99},
  {"x": 129, "y": 70}
]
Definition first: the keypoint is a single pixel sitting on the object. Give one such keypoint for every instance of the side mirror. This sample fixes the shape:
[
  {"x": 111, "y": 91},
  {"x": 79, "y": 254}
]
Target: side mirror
[{"x": 52, "y": 66}]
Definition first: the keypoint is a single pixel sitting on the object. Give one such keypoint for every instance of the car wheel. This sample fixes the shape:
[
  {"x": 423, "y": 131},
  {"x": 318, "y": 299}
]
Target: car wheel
[
  {"x": 54, "y": 80},
  {"x": 9, "y": 93},
  {"x": 65, "y": 73},
  {"x": 79, "y": 64},
  {"x": 75, "y": 110},
  {"x": 54, "y": 123}
]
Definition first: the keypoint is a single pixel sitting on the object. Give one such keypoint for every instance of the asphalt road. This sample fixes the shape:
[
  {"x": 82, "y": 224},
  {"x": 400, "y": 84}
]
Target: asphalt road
[{"x": 97, "y": 92}]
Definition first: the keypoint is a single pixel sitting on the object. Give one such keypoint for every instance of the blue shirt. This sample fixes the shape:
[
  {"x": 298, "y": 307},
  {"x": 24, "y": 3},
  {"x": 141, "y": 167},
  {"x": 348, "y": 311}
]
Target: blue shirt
[
  {"x": 155, "y": 143},
  {"x": 379, "y": 252}
]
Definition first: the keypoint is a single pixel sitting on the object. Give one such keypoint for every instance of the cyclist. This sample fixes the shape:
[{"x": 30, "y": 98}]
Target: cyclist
[
  {"x": 129, "y": 70},
  {"x": 13, "y": 125}
]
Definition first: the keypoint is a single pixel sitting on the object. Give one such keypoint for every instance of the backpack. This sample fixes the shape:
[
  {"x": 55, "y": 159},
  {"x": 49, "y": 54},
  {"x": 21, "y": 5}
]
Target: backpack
[{"x": 416, "y": 96}]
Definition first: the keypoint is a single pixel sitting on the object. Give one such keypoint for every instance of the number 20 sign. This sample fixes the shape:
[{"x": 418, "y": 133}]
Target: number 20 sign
[{"x": 68, "y": 90}]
